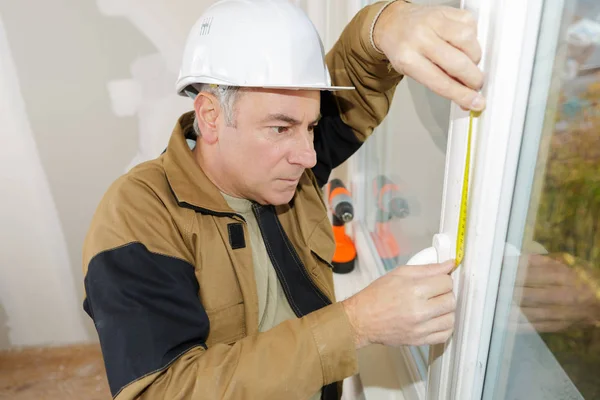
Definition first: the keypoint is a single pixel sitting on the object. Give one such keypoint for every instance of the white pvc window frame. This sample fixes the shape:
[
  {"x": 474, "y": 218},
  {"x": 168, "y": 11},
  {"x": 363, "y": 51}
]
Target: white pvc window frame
[{"x": 508, "y": 33}]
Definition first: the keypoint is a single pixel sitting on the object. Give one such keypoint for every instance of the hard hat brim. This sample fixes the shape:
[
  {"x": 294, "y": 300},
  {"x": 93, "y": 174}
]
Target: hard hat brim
[
  {"x": 310, "y": 87},
  {"x": 185, "y": 82}
]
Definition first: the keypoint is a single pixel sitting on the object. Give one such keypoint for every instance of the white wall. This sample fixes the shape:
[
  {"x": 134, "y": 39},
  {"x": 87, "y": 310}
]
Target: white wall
[
  {"x": 86, "y": 90},
  {"x": 36, "y": 279}
]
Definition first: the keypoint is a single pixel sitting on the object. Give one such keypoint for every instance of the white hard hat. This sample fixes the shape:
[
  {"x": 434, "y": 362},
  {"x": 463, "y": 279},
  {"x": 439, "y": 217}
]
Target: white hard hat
[{"x": 255, "y": 43}]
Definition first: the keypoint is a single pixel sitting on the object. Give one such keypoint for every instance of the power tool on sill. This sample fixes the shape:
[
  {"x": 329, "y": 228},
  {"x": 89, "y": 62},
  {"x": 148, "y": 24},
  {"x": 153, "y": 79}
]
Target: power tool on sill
[
  {"x": 339, "y": 201},
  {"x": 390, "y": 205}
]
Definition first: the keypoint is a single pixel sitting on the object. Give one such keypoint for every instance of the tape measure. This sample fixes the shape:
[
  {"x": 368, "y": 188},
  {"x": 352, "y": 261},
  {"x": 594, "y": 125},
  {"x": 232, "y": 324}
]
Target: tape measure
[{"x": 462, "y": 218}]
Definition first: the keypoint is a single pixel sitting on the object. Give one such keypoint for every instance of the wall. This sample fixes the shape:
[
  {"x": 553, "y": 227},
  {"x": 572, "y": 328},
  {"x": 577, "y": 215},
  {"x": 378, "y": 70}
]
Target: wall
[
  {"x": 36, "y": 279},
  {"x": 72, "y": 78}
]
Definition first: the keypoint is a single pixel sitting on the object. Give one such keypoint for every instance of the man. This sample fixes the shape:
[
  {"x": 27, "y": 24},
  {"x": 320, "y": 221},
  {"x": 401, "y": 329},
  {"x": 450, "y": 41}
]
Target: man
[{"x": 207, "y": 269}]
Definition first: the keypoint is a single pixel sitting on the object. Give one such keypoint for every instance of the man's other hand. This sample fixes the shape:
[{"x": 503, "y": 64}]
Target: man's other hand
[
  {"x": 411, "y": 305},
  {"x": 554, "y": 297},
  {"x": 436, "y": 46}
]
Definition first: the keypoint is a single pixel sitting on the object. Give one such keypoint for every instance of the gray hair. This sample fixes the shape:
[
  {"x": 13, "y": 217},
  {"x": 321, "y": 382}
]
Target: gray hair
[{"x": 226, "y": 95}]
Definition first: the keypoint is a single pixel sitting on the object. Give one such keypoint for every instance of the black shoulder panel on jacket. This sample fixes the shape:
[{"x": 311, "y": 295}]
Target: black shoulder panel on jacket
[
  {"x": 335, "y": 141},
  {"x": 146, "y": 310}
]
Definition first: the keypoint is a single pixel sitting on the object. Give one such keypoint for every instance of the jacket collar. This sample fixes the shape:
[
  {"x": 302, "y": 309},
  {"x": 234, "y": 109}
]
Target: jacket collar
[{"x": 189, "y": 184}]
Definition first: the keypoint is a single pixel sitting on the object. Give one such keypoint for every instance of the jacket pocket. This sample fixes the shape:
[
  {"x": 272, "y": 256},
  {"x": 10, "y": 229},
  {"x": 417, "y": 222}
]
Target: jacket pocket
[
  {"x": 322, "y": 248},
  {"x": 227, "y": 325}
]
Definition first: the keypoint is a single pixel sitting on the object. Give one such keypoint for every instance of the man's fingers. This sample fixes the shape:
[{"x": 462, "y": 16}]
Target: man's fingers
[
  {"x": 425, "y": 271},
  {"x": 559, "y": 295},
  {"x": 551, "y": 326},
  {"x": 434, "y": 286},
  {"x": 439, "y": 337},
  {"x": 540, "y": 319},
  {"x": 540, "y": 327},
  {"x": 466, "y": 41},
  {"x": 427, "y": 73},
  {"x": 441, "y": 305},
  {"x": 459, "y": 15},
  {"x": 439, "y": 324},
  {"x": 537, "y": 314},
  {"x": 544, "y": 271},
  {"x": 440, "y": 328},
  {"x": 455, "y": 63},
  {"x": 542, "y": 260},
  {"x": 462, "y": 36}
]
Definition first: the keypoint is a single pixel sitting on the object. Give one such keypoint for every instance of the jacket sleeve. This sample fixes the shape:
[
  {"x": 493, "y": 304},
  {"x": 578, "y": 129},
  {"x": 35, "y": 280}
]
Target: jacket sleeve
[
  {"x": 350, "y": 116},
  {"x": 143, "y": 296}
]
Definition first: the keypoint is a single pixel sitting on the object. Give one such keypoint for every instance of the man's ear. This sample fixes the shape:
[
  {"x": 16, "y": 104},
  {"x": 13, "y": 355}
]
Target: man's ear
[{"x": 207, "y": 114}]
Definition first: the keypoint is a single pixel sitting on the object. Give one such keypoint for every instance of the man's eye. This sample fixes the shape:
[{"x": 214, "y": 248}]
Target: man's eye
[
  {"x": 280, "y": 129},
  {"x": 312, "y": 128}
]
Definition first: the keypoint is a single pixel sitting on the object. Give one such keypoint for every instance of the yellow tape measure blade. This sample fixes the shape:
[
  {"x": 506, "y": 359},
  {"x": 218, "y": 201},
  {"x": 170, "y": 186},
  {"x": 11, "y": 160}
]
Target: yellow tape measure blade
[{"x": 462, "y": 218}]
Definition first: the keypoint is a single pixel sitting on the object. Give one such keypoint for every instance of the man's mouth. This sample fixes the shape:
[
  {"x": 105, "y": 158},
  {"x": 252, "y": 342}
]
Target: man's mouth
[{"x": 291, "y": 180}]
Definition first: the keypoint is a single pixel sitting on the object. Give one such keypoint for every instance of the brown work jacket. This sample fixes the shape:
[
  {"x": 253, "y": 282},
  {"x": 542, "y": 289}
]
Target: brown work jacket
[{"x": 168, "y": 268}]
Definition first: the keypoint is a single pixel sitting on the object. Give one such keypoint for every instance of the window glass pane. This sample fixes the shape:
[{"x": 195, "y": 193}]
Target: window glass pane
[
  {"x": 405, "y": 174},
  {"x": 403, "y": 167},
  {"x": 546, "y": 335}
]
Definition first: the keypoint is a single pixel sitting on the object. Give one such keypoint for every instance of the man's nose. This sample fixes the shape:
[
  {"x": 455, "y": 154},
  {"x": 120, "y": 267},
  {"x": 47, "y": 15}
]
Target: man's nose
[{"x": 304, "y": 152}]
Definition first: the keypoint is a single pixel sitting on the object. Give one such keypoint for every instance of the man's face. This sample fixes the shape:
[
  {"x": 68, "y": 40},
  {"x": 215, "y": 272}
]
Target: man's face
[{"x": 271, "y": 145}]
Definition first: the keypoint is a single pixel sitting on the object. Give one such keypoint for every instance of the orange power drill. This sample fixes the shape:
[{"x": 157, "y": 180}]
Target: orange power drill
[{"x": 340, "y": 203}]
